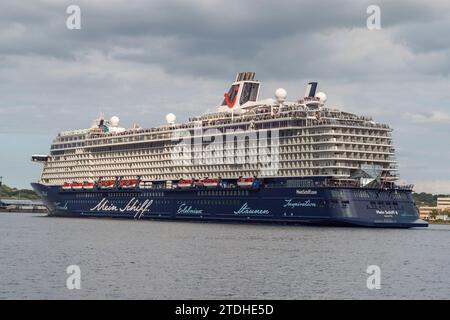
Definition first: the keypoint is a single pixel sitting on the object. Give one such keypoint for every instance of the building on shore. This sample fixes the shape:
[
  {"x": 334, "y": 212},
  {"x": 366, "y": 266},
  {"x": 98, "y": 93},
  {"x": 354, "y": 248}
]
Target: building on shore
[
  {"x": 22, "y": 205},
  {"x": 443, "y": 203},
  {"x": 440, "y": 212},
  {"x": 425, "y": 212}
]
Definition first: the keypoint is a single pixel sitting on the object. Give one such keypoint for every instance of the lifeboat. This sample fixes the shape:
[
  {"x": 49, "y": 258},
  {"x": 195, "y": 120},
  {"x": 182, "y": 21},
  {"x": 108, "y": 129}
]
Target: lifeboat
[
  {"x": 122, "y": 183},
  {"x": 145, "y": 185},
  {"x": 66, "y": 186},
  {"x": 198, "y": 184},
  {"x": 128, "y": 183},
  {"x": 245, "y": 182},
  {"x": 210, "y": 183},
  {"x": 76, "y": 185},
  {"x": 185, "y": 184},
  {"x": 87, "y": 185},
  {"x": 106, "y": 184},
  {"x": 132, "y": 183}
]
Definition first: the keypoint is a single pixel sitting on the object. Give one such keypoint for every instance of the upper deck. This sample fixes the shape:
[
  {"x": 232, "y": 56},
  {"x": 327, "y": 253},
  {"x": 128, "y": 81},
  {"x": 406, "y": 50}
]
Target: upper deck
[{"x": 302, "y": 138}]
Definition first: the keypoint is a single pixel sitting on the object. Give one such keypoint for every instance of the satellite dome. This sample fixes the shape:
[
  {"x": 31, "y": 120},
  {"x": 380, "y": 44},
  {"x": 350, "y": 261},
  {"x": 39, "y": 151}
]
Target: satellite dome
[
  {"x": 322, "y": 97},
  {"x": 114, "y": 121},
  {"x": 170, "y": 118},
  {"x": 280, "y": 94}
]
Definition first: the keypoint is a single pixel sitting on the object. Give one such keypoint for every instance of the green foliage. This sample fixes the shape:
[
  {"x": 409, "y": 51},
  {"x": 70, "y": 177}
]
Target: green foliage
[
  {"x": 434, "y": 213},
  {"x": 425, "y": 199},
  {"x": 7, "y": 192}
]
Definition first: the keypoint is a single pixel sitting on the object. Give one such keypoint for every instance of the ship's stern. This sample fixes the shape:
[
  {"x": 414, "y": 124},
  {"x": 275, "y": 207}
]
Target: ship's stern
[{"x": 388, "y": 208}]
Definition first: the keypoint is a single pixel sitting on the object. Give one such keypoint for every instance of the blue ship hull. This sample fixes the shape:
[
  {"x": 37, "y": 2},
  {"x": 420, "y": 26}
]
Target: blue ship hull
[{"x": 334, "y": 206}]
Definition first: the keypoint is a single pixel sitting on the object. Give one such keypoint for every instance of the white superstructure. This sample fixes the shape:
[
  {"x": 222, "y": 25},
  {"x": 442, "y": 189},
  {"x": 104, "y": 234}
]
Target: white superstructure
[{"x": 311, "y": 140}]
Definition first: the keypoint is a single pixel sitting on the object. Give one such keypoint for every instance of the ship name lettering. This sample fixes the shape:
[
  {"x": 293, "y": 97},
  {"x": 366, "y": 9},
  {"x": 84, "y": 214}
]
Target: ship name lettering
[
  {"x": 387, "y": 212},
  {"x": 245, "y": 209},
  {"x": 134, "y": 205},
  {"x": 291, "y": 204},
  {"x": 309, "y": 191},
  {"x": 185, "y": 209},
  {"x": 104, "y": 205}
]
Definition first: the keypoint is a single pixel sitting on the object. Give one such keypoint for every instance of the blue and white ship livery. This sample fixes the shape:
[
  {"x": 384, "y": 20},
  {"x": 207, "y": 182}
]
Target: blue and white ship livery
[{"x": 252, "y": 160}]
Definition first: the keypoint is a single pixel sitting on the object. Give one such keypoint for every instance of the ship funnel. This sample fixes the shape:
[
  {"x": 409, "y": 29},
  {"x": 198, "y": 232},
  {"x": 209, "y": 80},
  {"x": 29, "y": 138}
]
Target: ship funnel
[
  {"x": 310, "y": 91},
  {"x": 244, "y": 89},
  {"x": 245, "y": 76}
]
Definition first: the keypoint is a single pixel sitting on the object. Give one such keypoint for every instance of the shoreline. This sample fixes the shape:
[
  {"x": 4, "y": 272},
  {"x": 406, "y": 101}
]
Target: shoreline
[
  {"x": 438, "y": 222},
  {"x": 24, "y": 210}
]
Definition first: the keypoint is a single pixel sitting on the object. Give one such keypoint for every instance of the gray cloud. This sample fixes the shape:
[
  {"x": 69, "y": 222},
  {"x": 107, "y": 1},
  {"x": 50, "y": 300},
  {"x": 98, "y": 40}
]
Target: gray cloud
[{"x": 432, "y": 117}]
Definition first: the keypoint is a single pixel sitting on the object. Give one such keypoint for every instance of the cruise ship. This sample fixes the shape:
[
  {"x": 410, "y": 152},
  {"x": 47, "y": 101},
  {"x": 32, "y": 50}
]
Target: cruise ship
[{"x": 251, "y": 160}]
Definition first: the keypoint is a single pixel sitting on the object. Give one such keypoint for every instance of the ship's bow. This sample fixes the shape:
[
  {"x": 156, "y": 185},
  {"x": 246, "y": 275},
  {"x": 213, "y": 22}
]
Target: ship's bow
[{"x": 45, "y": 193}]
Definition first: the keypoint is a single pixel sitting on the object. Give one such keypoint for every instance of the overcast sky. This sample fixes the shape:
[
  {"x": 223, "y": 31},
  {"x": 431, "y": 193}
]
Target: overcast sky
[{"x": 142, "y": 59}]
